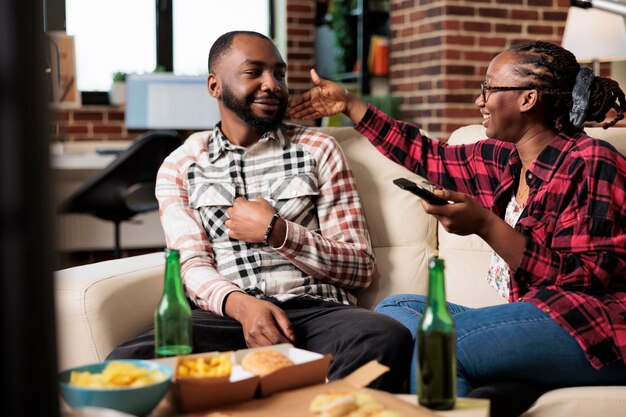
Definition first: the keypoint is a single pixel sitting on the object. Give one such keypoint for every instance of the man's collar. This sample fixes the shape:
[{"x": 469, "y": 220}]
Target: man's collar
[{"x": 218, "y": 143}]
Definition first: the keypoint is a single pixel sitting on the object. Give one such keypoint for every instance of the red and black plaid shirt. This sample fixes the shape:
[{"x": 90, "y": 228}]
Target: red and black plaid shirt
[{"x": 574, "y": 264}]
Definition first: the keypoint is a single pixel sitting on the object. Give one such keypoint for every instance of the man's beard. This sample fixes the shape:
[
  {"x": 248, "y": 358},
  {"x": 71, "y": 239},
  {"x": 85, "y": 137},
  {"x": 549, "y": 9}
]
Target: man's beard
[{"x": 244, "y": 110}]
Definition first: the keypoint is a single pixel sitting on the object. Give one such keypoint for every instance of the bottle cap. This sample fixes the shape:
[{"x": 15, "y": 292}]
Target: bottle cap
[{"x": 435, "y": 262}]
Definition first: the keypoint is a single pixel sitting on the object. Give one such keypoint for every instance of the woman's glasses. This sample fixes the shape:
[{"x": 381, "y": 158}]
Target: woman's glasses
[{"x": 484, "y": 88}]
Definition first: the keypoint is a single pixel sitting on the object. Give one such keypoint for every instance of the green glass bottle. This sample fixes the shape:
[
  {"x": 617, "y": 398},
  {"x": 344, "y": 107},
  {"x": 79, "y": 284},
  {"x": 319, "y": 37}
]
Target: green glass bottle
[
  {"x": 172, "y": 318},
  {"x": 436, "y": 345}
]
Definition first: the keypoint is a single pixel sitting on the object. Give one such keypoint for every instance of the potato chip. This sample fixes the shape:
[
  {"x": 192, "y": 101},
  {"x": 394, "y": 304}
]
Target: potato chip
[{"x": 117, "y": 375}]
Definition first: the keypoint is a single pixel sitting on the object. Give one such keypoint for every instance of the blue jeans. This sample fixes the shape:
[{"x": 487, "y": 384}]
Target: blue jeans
[{"x": 508, "y": 342}]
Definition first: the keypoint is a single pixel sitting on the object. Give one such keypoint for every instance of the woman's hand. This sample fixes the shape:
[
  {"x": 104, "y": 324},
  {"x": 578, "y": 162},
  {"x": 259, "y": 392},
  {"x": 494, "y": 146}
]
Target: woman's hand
[
  {"x": 326, "y": 99},
  {"x": 464, "y": 217}
]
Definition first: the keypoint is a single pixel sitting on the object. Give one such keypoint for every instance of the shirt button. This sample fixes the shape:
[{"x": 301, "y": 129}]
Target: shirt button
[
  {"x": 547, "y": 310},
  {"x": 519, "y": 300},
  {"x": 529, "y": 176}
]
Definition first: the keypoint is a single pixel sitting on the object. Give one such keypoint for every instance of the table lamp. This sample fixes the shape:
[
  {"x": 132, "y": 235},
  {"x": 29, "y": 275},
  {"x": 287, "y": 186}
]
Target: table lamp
[{"x": 595, "y": 36}]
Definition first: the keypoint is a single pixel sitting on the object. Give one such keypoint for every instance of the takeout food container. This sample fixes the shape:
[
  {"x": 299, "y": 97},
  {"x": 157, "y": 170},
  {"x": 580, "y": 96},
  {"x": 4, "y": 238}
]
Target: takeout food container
[
  {"x": 197, "y": 394},
  {"x": 296, "y": 402}
]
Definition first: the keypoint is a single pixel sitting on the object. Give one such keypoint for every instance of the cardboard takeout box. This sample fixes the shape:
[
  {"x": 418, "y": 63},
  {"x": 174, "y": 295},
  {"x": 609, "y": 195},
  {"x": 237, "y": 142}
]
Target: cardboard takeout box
[
  {"x": 296, "y": 402},
  {"x": 193, "y": 394}
]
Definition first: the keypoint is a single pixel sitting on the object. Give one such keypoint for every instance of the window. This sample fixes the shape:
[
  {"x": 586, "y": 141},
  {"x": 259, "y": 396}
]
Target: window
[
  {"x": 198, "y": 23},
  {"x": 121, "y": 35},
  {"x": 111, "y": 36}
]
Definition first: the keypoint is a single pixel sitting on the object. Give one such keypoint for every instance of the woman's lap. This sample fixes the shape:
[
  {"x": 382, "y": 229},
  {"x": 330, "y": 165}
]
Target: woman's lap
[{"x": 507, "y": 342}]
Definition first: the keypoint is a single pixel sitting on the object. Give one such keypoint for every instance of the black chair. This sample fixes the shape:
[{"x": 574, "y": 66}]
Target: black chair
[{"x": 126, "y": 186}]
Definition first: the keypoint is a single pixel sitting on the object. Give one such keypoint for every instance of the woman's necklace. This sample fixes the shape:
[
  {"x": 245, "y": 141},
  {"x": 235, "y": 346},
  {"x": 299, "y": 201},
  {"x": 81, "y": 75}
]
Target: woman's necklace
[{"x": 521, "y": 193}]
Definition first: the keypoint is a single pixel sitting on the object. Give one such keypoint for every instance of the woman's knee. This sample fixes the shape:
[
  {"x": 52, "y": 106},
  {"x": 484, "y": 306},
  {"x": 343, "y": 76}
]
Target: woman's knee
[
  {"x": 404, "y": 301},
  {"x": 405, "y": 308}
]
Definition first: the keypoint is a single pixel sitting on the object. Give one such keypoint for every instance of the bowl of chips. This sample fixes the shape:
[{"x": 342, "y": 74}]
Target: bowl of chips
[{"x": 131, "y": 386}]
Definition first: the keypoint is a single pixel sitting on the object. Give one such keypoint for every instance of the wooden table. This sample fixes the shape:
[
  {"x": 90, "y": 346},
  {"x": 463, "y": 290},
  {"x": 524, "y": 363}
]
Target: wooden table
[{"x": 465, "y": 407}]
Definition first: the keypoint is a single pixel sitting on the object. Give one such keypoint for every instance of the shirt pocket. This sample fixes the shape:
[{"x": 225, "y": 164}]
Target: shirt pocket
[
  {"x": 539, "y": 229},
  {"x": 211, "y": 200},
  {"x": 294, "y": 197}
]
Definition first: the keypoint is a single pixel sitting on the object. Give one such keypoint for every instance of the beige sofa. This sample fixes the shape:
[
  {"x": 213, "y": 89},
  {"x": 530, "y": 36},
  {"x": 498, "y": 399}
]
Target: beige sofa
[{"x": 100, "y": 305}]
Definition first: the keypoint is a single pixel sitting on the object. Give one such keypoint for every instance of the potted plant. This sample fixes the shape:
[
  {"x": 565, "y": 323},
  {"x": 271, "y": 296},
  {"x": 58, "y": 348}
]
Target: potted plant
[
  {"x": 117, "y": 94},
  {"x": 344, "y": 41}
]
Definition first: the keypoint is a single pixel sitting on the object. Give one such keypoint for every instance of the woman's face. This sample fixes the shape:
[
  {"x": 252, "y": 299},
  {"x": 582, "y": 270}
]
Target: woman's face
[{"x": 500, "y": 108}]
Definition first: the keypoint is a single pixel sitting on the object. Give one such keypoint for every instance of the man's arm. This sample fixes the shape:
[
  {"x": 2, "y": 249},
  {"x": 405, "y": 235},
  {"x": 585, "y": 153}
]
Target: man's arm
[
  {"x": 183, "y": 231},
  {"x": 341, "y": 253}
]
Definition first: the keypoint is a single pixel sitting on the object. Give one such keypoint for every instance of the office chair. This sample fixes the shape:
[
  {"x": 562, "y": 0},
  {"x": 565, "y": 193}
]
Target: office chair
[{"x": 126, "y": 186}]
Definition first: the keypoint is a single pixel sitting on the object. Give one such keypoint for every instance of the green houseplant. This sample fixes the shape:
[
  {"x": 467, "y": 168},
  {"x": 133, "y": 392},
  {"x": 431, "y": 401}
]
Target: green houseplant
[
  {"x": 344, "y": 41},
  {"x": 117, "y": 94}
]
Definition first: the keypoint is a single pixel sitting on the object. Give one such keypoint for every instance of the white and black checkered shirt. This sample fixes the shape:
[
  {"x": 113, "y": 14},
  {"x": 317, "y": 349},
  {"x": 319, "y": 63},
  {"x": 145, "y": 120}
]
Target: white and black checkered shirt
[{"x": 305, "y": 177}]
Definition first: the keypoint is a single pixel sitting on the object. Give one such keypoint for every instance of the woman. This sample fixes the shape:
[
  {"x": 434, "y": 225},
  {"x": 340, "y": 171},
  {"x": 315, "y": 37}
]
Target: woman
[{"x": 547, "y": 198}]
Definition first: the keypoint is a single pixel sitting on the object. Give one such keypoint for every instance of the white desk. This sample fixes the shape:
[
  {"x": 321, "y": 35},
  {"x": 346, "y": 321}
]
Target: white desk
[
  {"x": 81, "y": 161},
  {"x": 83, "y": 232}
]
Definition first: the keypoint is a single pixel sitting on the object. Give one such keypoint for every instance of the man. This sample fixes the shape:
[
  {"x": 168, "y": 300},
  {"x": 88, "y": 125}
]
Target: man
[{"x": 270, "y": 227}]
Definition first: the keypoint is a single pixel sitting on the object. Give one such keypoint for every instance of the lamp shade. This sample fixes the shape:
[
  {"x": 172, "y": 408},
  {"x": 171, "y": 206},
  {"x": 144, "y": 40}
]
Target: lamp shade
[{"x": 595, "y": 35}]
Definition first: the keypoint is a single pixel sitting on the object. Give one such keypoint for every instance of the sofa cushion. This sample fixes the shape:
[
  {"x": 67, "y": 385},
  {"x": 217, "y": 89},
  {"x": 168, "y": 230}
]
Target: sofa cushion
[
  {"x": 580, "y": 401},
  {"x": 403, "y": 235},
  {"x": 103, "y": 304}
]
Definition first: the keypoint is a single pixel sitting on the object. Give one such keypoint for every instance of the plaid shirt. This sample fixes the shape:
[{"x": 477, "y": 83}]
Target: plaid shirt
[
  {"x": 574, "y": 263},
  {"x": 305, "y": 177}
]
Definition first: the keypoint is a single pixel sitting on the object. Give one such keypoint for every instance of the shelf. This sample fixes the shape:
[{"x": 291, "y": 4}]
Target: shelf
[{"x": 366, "y": 21}]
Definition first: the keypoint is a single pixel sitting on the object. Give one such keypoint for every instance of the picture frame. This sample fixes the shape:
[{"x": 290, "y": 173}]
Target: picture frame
[{"x": 61, "y": 59}]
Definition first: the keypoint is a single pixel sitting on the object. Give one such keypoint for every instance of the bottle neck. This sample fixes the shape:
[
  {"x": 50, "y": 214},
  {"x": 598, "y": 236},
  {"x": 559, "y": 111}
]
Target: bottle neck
[
  {"x": 436, "y": 287},
  {"x": 173, "y": 284}
]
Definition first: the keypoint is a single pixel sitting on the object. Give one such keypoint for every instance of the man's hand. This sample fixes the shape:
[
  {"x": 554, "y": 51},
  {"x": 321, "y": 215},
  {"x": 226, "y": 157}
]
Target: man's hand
[
  {"x": 263, "y": 323},
  {"x": 248, "y": 220}
]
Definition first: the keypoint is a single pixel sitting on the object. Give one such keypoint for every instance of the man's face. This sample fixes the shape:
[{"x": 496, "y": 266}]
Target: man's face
[
  {"x": 243, "y": 106},
  {"x": 253, "y": 86}
]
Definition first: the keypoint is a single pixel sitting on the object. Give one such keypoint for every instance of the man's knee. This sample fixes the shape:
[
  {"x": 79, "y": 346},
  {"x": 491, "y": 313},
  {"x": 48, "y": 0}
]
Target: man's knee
[{"x": 389, "y": 334}]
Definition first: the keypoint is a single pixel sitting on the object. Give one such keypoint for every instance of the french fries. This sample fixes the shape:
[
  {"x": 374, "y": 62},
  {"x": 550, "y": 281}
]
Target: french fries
[
  {"x": 117, "y": 375},
  {"x": 201, "y": 367}
]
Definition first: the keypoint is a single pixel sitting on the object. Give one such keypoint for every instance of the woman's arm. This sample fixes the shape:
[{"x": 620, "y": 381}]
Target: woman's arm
[{"x": 466, "y": 216}]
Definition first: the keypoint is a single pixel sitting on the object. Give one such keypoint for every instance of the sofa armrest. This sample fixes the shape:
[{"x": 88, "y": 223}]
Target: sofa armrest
[{"x": 100, "y": 305}]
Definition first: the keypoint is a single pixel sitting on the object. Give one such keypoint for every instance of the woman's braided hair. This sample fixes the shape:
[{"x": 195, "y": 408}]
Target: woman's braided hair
[{"x": 554, "y": 70}]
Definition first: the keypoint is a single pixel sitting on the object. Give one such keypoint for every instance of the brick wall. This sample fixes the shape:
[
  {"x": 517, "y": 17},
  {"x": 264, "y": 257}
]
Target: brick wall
[
  {"x": 300, "y": 44},
  {"x": 99, "y": 123},
  {"x": 440, "y": 51}
]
